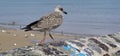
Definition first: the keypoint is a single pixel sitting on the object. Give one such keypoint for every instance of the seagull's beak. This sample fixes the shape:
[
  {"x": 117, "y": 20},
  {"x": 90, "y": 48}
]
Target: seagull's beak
[{"x": 64, "y": 12}]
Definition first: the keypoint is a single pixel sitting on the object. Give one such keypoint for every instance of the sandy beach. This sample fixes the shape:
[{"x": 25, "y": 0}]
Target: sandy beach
[{"x": 11, "y": 38}]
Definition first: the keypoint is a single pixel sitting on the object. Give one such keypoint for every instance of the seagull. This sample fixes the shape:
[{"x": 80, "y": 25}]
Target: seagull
[{"x": 47, "y": 23}]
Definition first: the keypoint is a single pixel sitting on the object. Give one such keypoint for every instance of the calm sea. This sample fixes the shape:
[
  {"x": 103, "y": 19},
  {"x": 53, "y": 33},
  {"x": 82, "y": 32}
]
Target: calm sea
[{"x": 84, "y": 16}]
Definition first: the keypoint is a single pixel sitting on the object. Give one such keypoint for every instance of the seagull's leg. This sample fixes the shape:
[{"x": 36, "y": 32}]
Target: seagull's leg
[
  {"x": 51, "y": 36},
  {"x": 43, "y": 40}
]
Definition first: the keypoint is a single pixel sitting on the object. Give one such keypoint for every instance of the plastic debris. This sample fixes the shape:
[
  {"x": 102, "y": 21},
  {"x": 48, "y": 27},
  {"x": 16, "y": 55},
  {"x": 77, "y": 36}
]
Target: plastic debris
[
  {"x": 66, "y": 47},
  {"x": 3, "y": 31},
  {"x": 32, "y": 34},
  {"x": 77, "y": 43},
  {"x": 82, "y": 53}
]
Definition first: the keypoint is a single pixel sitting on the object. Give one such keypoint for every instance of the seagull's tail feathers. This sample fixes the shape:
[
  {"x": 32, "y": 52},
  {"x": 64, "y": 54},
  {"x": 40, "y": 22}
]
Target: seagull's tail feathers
[{"x": 26, "y": 28}]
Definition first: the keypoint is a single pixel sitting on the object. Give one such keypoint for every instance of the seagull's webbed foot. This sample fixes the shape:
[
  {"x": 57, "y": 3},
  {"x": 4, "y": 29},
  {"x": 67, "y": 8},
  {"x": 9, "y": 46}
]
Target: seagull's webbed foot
[{"x": 41, "y": 43}]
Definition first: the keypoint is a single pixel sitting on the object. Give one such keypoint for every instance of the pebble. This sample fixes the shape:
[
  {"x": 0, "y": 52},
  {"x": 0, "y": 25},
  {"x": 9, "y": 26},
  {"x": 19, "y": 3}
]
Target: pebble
[
  {"x": 106, "y": 55},
  {"x": 14, "y": 44}
]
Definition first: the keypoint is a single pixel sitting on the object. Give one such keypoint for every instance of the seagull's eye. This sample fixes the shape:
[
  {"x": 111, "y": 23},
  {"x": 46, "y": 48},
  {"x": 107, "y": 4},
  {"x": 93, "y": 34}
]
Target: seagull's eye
[{"x": 61, "y": 9}]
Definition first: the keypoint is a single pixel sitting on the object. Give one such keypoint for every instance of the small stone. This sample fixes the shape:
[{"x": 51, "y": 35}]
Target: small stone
[
  {"x": 14, "y": 44},
  {"x": 113, "y": 45},
  {"x": 106, "y": 55},
  {"x": 117, "y": 53}
]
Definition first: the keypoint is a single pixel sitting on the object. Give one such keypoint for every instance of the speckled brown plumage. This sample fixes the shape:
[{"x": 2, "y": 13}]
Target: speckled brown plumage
[{"x": 48, "y": 22}]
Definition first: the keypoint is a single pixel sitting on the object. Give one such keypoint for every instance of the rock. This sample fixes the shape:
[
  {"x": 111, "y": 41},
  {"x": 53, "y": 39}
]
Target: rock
[
  {"x": 59, "y": 43},
  {"x": 106, "y": 55},
  {"x": 113, "y": 45},
  {"x": 94, "y": 47},
  {"x": 103, "y": 46},
  {"x": 89, "y": 52},
  {"x": 117, "y": 53},
  {"x": 110, "y": 43},
  {"x": 79, "y": 47},
  {"x": 116, "y": 39}
]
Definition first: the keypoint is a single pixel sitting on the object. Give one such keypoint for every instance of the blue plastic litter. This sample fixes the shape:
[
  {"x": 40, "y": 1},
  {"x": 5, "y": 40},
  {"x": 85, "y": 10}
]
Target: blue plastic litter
[
  {"x": 77, "y": 54},
  {"x": 74, "y": 51},
  {"x": 66, "y": 47}
]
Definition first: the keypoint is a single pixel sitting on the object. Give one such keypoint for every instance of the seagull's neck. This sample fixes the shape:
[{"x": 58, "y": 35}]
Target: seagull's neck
[{"x": 60, "y": 13}]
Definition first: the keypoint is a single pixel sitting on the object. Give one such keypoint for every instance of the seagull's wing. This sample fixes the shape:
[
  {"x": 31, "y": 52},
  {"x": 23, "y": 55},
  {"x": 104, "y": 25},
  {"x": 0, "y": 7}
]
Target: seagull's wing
[
  {"x": 28, "y": 27},
  {"x": 45, "y": 22},
  {"x": 50, "y": 21}
]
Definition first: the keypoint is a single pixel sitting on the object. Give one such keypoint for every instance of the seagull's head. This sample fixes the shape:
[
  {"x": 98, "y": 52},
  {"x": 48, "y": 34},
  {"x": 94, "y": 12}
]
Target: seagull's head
[{"x": 60, "y": 9}]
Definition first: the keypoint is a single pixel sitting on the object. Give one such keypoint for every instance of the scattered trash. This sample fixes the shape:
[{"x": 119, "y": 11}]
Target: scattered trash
[
  {"x": 89, "y": 47},
  {"x": 32, "y": 34},
  {"x": 77, "y": 43},
  {"x": 66, "y": 47},
  {"x": 82, "y": 53},
  {"x": 74, "y": 51},
  {"x": 3, "y": 31}
]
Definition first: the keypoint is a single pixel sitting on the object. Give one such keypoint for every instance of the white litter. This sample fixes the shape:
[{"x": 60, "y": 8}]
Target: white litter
[
  {"x": 3, "y": 30},
  {"x": 14, "y": 44},
  {"x": 32, "y": 35}
]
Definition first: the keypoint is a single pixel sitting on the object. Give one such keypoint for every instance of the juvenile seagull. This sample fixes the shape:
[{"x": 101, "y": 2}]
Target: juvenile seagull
[{"x": 47, "y": 23}]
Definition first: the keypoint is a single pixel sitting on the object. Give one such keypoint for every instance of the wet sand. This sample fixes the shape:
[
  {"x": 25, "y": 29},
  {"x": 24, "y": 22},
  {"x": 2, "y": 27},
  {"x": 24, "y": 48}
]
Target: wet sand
[{"x": 11, "y": 38}]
